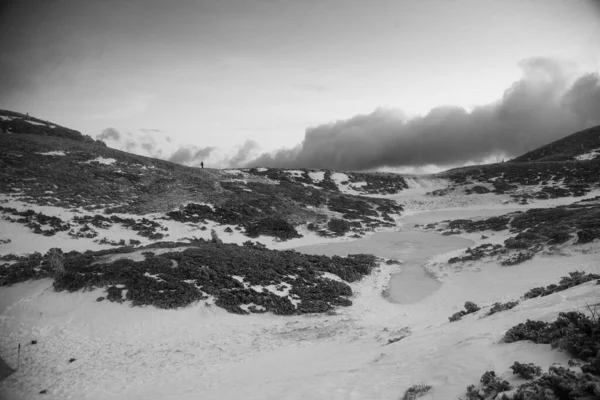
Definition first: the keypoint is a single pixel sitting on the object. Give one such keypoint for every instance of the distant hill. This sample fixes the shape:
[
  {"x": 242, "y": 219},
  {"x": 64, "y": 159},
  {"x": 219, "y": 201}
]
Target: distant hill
[
  {"x": 582, "y": 145},
  {"x": 14, "y": 122}
]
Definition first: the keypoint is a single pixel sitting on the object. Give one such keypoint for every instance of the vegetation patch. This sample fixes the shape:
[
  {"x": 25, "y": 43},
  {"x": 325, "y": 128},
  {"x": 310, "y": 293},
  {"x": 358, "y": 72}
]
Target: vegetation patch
[
  {"x": 488, "y": 388},
  {"x": 575, "y": 333},
  {"x": 276, "y": 227},
  {"x": 559, "y": 383},
  {"x": 479, "y": 252},
  {"x": 416, "y": 391},
  {"x": 499, "y": 307},
  {"x": 39, "y": 223},
  {"x": 572, "y": 331},
  {"x": 533, "y": 231},
  {"x": 470, "y": 308},
  {"x": 575, "y": 278},
  {"x": 526, "y": 371},
  {"x": 282, "y": 282}
]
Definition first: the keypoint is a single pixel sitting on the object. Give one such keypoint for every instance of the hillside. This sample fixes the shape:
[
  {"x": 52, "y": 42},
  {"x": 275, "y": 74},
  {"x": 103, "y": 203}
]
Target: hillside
[
  {"x": 51, "y": 170},
  {"x": 582, "y": 145},
  {"x": 14, "y": 122},
  {"x": 564, "y": 168}
]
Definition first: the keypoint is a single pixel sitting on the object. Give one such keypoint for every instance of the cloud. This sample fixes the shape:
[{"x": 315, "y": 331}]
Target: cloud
[
  {"x": 242, "y": 154},
  {"x": 544, "y": 105},
  {"x": 191, "y": 155},
  {"x": 109, "y": 133},
  {"x": 156, "y": 144}
]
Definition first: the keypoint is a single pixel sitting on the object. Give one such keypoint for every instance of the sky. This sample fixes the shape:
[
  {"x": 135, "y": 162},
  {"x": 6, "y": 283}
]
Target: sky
[{"x": 314, "y": 83}]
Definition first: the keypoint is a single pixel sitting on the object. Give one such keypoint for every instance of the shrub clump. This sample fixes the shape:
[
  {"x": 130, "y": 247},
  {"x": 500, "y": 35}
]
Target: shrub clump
[
  {"x": 338, "y": 226},
  {"x": 277, "y": 227},
  {"x": 470, "y": 308},
  {"x": 416, "y": 391},
  {"x": 559, "y": 383},
  {"x": 479, "y": 252},
  {"x": 575, "y": 278},
  {"x": 572, "y": 331},
  {"x": 490, "y": 386},
  {"x": 517, "y": 258},
  {"x": 498, "y": 307},
  {"x": 526, "y": 371}
]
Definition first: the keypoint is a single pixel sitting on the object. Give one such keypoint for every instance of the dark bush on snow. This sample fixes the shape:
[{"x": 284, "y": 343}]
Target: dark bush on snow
[
  {"x": 177, "y": 279},
  {"x": 498, "y": 307},
  {"x": 490, "y": 386},
  {"x": 526, "y": 371},
  {"x": 416, "y": 391},
  {"x": 587, "y": 235},
  {"x": 575, "y": 278},
  {"x": 517, "y": 258},
  {"x": 559, "y": 383},
  {"x": 470, "y": 308},
  {"x": 276, "y": 227},
  {"x": 572, "y": 331},
  {"x": 338, "y": 226}
]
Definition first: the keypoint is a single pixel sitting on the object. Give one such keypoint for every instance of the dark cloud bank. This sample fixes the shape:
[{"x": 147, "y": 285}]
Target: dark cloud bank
[{"x": 541, "y": 107}]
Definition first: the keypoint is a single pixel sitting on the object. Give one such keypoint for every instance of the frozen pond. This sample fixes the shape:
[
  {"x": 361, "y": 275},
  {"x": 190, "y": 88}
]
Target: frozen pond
[{"x": 412, "y": 247}]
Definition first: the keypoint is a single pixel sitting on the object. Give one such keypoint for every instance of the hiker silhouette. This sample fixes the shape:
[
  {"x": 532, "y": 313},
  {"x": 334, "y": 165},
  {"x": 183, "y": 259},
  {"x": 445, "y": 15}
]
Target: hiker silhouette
[{"x": 202, "y": 164}]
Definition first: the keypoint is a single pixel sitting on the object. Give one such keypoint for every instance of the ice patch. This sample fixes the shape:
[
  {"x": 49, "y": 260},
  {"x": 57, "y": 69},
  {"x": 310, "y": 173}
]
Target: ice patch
[
  {"x": 262, "y": 169},
  {"x": 53, "y": 153},
  {"x": 102, "y": 160}
]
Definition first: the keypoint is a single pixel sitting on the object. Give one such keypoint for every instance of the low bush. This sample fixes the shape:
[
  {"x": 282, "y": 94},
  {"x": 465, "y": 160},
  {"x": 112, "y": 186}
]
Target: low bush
[
  {"x": 559, "y": 383},
  {"x": 470, "y": 308},
  {"x": 498, "y": 307},
  {"x": 416, "y": 391},
  {"x": 575, "y": 278},
  {"x": 572, "y": 331},
  {"x": 489, "y": 388},
  {"x": 517, "y": 258},
  {"x": 526, "y": 371},
  {"x": 339, "y": 226},
  {"x": 276, "y": 227}
]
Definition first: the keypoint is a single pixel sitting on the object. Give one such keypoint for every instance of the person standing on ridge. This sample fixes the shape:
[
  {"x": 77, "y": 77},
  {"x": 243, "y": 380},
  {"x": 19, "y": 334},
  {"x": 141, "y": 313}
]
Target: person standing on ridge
[{"x": 202, "y": 164}]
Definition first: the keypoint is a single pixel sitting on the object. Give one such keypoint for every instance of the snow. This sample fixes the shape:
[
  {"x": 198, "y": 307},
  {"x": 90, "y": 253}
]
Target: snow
[
  {"x": 317, "y": 176},
  {"x": 348, "y": 188},
  {"x": 295, "y": 173},
  {"x": 262, "y": 169},
  {"x": 333, "y": 277},
  {"x": 102, "y": 160},
  {"x": 53, "y": 153},
  {"x": 35, "y": 123},
  {"x": 588, "y": 156},
  {"x": 202, "y": 351}
]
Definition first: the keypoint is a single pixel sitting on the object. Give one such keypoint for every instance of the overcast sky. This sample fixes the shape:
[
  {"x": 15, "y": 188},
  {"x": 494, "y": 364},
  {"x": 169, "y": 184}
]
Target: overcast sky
[{"x": 243, "y": 77}]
